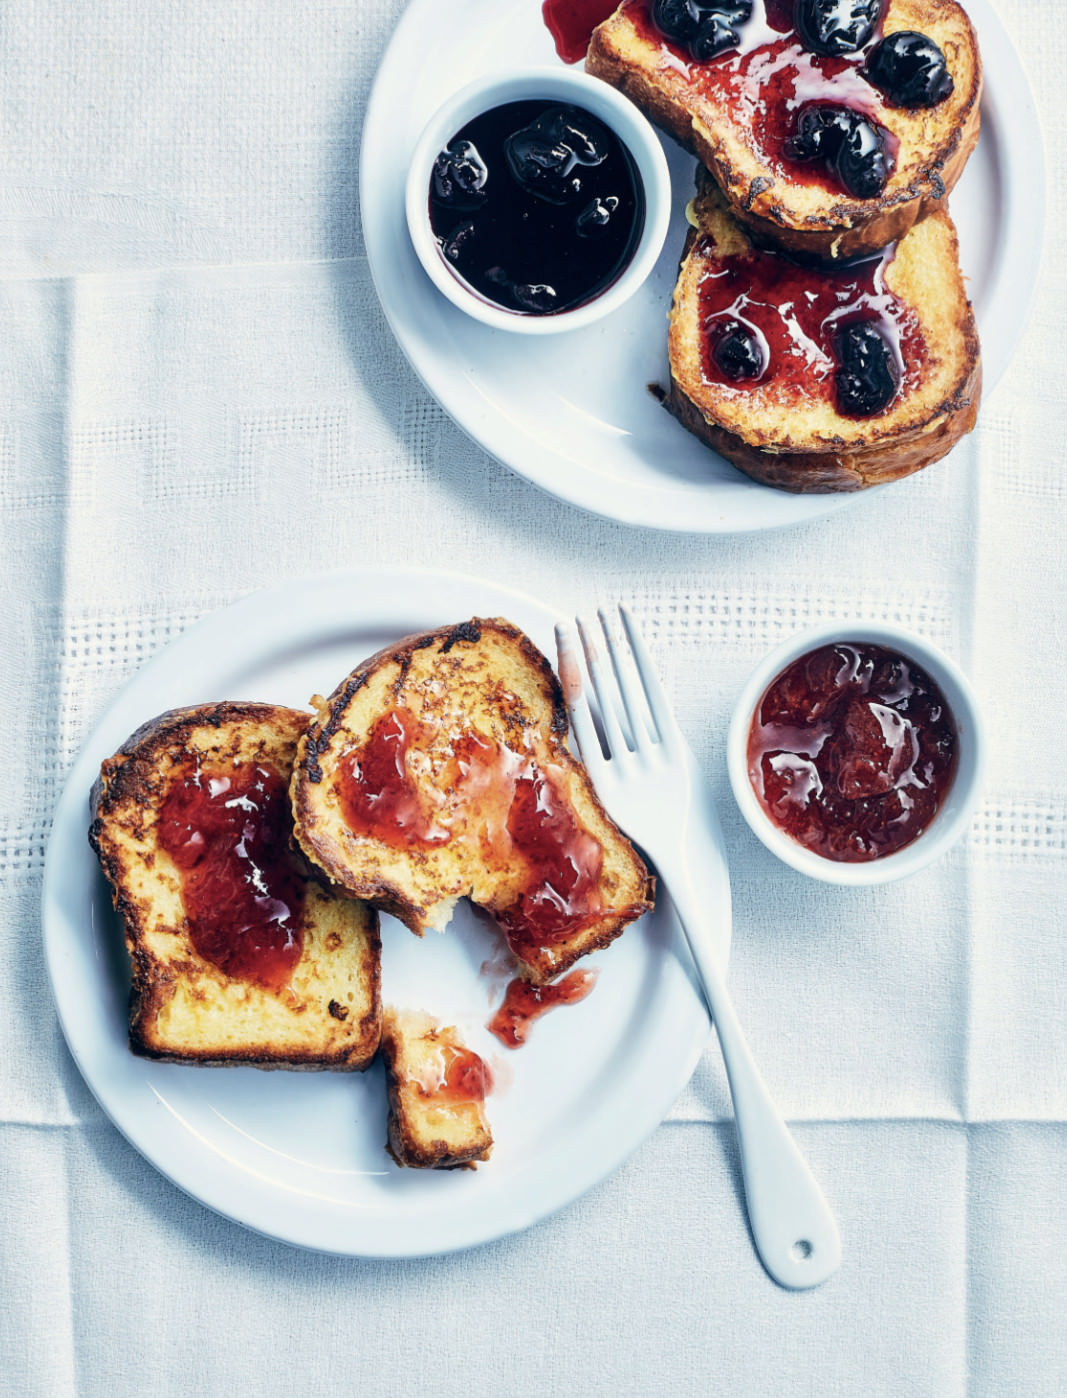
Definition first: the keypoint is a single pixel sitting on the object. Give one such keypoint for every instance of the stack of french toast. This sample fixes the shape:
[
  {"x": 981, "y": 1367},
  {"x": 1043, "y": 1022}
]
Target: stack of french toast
[
  {"x": 821, "y": 338},
  {"x": 250, "y": 847}
]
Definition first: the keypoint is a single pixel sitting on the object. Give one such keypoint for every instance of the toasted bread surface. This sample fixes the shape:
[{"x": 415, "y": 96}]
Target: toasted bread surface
[
  {"x": 484, "y": 741},
  {"x": 184, "y": 1007},
  {"x": 779, "y": 201},
  {"x": 782, "y": 431},
  {"x": 436, "y": 1088}
]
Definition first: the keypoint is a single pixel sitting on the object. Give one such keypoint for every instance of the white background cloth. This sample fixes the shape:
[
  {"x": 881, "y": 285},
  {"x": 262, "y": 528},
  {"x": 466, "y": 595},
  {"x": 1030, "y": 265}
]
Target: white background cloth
[{"x": 199, "y": 396}]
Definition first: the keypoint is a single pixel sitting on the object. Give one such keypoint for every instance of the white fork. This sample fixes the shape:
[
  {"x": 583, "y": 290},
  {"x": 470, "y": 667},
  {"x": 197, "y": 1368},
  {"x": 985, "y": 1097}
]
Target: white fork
[{"x": 652, "y": 787}]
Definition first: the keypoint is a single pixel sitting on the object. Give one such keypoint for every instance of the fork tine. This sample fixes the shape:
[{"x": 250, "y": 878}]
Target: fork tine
[
  {"x": 570, "y": 678},
  {"x": 662, "y": 713},
  {"x": 606, "y": 693},
  {"x": 633, "y": 697}
]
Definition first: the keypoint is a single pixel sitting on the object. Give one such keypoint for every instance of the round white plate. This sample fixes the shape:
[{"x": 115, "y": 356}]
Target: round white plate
[
  {"x": 571, "y": 412},
  {"x": 301, "y": 1156}
]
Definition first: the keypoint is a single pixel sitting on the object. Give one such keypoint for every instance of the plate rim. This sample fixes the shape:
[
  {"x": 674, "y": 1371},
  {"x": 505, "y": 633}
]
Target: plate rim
[
  {"x": 201, "y": 1171},
  {"x": 637, "y": 504}
]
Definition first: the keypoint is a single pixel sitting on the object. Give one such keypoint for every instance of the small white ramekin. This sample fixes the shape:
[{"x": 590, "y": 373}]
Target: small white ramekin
[
  {"x": 957, "y": 808},
  {"x": 553, "y": 85}
]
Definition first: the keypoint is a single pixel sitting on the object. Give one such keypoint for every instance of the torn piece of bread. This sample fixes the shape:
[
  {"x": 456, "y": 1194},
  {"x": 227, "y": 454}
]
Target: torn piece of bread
[
  {"x": 439, "y": 770},
  {"x": 739, "y": 112},
  {"x": 738, "y": 309},
  {"x": 437, "y": 1088},
  {"x": 239, "y": 955}
]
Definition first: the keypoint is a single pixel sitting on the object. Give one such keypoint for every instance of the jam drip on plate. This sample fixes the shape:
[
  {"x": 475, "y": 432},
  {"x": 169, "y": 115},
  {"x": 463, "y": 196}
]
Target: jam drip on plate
[
  {"x": 509, "y": 806},
  {"x": 571, "y": 24},
  {"x": 852, "y": 751},
  {"x": 523, "y": 1003},
  {"x": 228, "y": 833},
  {"x": 836, "y": 332},
  {"x": 793, "y": 75}
]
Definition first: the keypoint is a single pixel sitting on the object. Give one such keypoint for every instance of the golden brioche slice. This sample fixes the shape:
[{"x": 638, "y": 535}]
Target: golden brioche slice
[
  {"x": 439, "y": 770},
  {"x": 238, "y": 954},
  {"x": 802, "y": 423},
  {"x": 738, "y": 112},
  {"x": 437, "y": 1088}
]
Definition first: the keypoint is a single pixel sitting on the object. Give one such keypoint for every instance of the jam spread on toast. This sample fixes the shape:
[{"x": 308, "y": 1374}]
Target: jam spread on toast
[
  {"x": 452, "y": 1076},
  {"x": 536, "y": 206},
  {"x": 851, "y": 751},
  {"x": 523, "y": 1003},
  {"x": 508, "y": 802},
  {"x": 227, "y": 831},
  {"x": 834, "y": 332},
  {"x": 379, "y": 795}
]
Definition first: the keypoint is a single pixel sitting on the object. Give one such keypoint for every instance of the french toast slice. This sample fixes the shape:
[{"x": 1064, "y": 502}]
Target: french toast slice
[
  {"x": 437, "y": 1088},
  {"x": 439, "y": 770},
  {"x": 797, "y": 424},
  {"x": 739, "y": 113},
  {"x": 239, "y": 955}
]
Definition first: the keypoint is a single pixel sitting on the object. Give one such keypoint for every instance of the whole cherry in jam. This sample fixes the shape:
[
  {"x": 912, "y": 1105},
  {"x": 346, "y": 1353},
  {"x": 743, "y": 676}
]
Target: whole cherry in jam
[
  {"x": 706, "y": 27},
  {"x": 459, "y": 176},
  {"x": 834, "y": 27},
  {"x": 868, "y": 374},
  {"x": 738, "y": 350},
  {"x": 843, "y": 141},
  {"x": 852, "y": 751},
  {"x": 909, "y": 70}
]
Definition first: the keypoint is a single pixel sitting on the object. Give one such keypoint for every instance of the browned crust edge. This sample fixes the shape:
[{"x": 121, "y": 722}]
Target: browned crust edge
[
  {"x": 387, "y": 897},
  {"x": 844, "y": 229},
  {"x": 121, "y": 779},
  {"x": 831, "y": 469}
]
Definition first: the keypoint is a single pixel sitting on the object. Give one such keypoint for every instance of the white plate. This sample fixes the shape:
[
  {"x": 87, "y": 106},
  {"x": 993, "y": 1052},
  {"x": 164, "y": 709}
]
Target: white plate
[
  {"x": 300, "y": 1156},
  {"x": 571, "y": 413}
]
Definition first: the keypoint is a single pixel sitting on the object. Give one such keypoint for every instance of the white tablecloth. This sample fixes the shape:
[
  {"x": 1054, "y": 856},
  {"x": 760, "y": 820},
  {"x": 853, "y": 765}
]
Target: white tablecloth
[{"x": 199, "y": 396}]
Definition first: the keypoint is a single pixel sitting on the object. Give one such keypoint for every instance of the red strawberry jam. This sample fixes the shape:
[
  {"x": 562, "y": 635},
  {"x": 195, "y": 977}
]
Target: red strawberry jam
[
  {"x": 228, "y": 833},
  {"x": 852, "y": 750},
  {"x": 523, "y": 1003},
  {"x": 505, "y": 802}
]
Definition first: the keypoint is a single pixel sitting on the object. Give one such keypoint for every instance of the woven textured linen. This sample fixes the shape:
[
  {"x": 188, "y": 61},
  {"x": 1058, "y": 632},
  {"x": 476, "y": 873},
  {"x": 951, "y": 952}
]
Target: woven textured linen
[{"x": 199, "y": 396}]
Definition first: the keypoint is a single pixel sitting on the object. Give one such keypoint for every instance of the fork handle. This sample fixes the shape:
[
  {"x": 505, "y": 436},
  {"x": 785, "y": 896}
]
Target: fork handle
[{"x": 794, "y": 1231}]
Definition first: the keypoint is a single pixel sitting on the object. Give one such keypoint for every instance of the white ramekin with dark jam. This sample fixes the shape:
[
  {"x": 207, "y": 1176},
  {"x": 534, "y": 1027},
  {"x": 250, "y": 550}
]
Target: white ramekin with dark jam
[
  {"x": 855, "y": 753},
  {"x": 538, "y": 201}
]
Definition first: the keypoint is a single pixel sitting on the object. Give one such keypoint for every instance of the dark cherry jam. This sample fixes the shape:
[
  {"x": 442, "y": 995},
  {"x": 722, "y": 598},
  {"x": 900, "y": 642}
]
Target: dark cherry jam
[
  {"x": 852, "y": 749},
  {"x": 800, "y": 326},
  {"x": 537, "y": 206},
  {"x": 571, "y": 24},
  {"x": 523, "y": 1003},
  {"x": 228, "y": 833},
  {"x": 774, "y": 75},
  {"x": 505, "y": 803}
]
